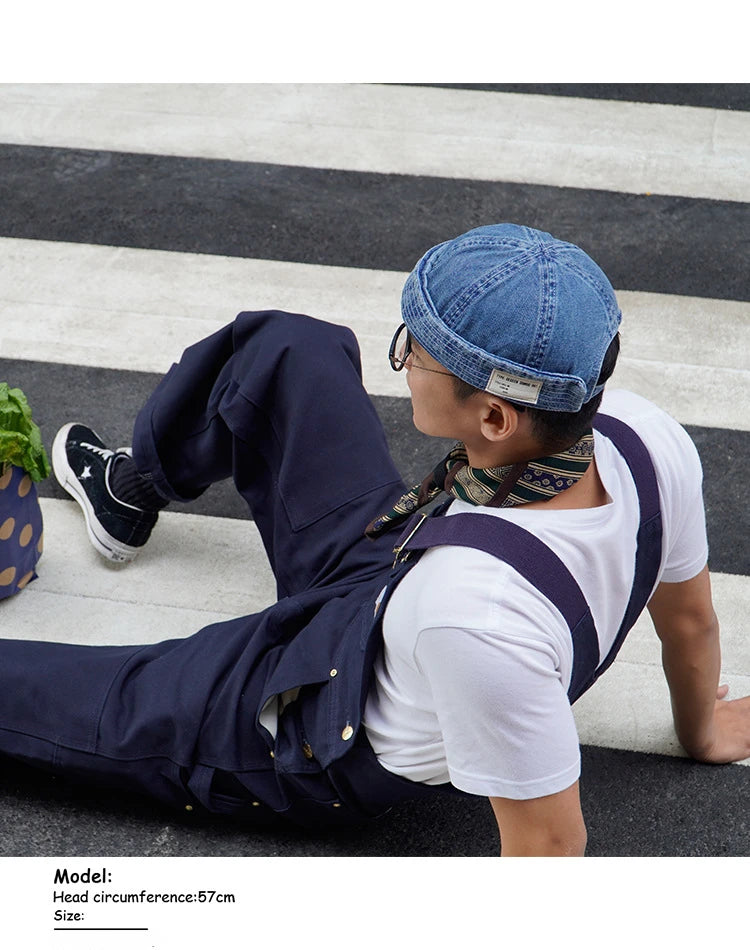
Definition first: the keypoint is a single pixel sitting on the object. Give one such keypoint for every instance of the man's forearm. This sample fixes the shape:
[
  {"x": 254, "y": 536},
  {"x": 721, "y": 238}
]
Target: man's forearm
[
  {"x": 686, "y": 624},
  {"x": 692, "y": 665}
]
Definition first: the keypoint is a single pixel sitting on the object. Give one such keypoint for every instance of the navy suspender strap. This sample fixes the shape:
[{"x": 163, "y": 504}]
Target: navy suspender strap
[
  {"x": 648, "y": 540},
  {"x": 534, "y": 560}
]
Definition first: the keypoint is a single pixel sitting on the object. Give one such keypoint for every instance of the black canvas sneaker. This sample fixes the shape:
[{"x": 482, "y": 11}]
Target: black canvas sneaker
[{"x": 83, "y": 465}]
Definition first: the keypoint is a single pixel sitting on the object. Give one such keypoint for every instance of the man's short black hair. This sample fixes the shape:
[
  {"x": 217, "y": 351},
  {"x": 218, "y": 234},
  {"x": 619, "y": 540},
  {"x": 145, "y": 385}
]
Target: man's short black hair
[{"x": 556, "y": 431}]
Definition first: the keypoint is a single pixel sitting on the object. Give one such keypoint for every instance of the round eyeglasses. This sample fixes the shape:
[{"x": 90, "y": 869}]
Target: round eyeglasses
[{"x": 400, "y": 351}]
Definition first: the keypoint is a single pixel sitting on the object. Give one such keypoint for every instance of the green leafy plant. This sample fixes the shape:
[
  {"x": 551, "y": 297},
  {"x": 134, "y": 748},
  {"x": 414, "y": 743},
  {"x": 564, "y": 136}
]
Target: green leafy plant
[{"x": 20, "y": 439}]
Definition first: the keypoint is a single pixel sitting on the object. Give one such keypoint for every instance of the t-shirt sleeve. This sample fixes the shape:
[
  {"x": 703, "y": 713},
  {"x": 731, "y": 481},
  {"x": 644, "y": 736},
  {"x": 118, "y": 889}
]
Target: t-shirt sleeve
[
  {"x": 681, "y": 473},
  {"x": 507, "y": 725},
  {"x": 680, "y": 477}
]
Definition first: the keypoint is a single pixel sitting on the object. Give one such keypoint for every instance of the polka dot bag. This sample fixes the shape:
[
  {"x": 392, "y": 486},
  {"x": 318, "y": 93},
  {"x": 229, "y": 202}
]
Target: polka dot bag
[{"x": 23, "y": 461}]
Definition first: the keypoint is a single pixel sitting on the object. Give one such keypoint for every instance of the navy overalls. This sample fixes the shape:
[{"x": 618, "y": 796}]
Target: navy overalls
[{"x": 275, "y": 401}]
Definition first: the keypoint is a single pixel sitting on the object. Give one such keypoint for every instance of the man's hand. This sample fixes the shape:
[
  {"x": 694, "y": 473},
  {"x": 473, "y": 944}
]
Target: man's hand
[
  {"x": 731, "y": 729},
  {"x": 709, "y": 727},
  {"x": 551, "y": 826}
]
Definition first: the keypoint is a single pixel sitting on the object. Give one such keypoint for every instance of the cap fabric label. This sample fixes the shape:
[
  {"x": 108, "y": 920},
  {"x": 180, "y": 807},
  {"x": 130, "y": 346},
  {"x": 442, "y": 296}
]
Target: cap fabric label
[{"x": 513, "y": 387}]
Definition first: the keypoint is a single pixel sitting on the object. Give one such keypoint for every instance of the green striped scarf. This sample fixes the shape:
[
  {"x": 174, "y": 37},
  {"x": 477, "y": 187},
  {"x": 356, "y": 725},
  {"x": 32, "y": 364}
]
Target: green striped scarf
[{"x": 501, "y": 487}]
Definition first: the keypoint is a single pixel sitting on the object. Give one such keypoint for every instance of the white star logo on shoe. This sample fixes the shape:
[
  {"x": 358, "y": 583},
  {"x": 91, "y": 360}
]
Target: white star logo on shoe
[{"x": 86, "y": 473}]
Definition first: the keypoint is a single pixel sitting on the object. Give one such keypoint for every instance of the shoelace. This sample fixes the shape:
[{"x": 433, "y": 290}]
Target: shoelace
[{"x": 105, "y": 453}]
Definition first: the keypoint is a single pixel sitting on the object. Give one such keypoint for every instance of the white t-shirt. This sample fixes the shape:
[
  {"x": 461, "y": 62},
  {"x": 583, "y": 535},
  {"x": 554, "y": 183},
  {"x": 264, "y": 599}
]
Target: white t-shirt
[{"x": 471, "y": 684}]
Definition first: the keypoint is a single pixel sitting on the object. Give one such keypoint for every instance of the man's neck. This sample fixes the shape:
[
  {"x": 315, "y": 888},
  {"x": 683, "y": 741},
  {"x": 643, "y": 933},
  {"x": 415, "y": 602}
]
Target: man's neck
[
  {"x": 484, "y": 454},
  {"x": 588, "y": 492}
]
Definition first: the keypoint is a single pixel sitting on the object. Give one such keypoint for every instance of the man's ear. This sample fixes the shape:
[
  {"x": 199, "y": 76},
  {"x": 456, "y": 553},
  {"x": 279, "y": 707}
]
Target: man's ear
[{"x": 499, "y": 421}]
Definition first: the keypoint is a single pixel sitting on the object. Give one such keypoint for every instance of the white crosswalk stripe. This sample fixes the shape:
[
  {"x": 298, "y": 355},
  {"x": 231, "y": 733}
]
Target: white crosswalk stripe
[
  {"x": 620, "y": 146},
  {"x": 158, "y": 302}
]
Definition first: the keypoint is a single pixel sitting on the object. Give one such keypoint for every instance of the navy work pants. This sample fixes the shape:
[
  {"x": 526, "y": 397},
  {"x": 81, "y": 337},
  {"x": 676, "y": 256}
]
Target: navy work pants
[{"x": 274, "y": 401}]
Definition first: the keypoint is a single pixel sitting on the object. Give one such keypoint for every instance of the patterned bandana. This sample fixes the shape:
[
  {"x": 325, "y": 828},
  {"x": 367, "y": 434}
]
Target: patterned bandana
[{"x": 502, "y": 487}]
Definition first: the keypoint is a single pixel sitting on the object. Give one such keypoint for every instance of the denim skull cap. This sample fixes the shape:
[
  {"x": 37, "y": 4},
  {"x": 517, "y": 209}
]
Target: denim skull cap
[{"x": 516, "y": 312}]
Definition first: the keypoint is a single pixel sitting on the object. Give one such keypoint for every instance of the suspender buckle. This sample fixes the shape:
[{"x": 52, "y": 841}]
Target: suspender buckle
[{"x": 399, "y": 547}]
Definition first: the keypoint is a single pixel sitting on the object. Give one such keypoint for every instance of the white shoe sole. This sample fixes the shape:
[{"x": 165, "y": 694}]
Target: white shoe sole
[{"x": 103, "y": 542}]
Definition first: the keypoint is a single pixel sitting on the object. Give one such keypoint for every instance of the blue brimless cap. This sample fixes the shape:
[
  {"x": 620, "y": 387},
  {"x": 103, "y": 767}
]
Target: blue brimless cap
[{"x": 515, "y": 312}]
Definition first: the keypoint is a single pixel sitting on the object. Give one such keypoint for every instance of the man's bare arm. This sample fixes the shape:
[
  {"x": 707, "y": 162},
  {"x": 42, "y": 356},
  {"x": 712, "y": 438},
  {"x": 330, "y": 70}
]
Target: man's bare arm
[
  {"x": 551, "y": 826},
  {"x": 709, "y": 728}
]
